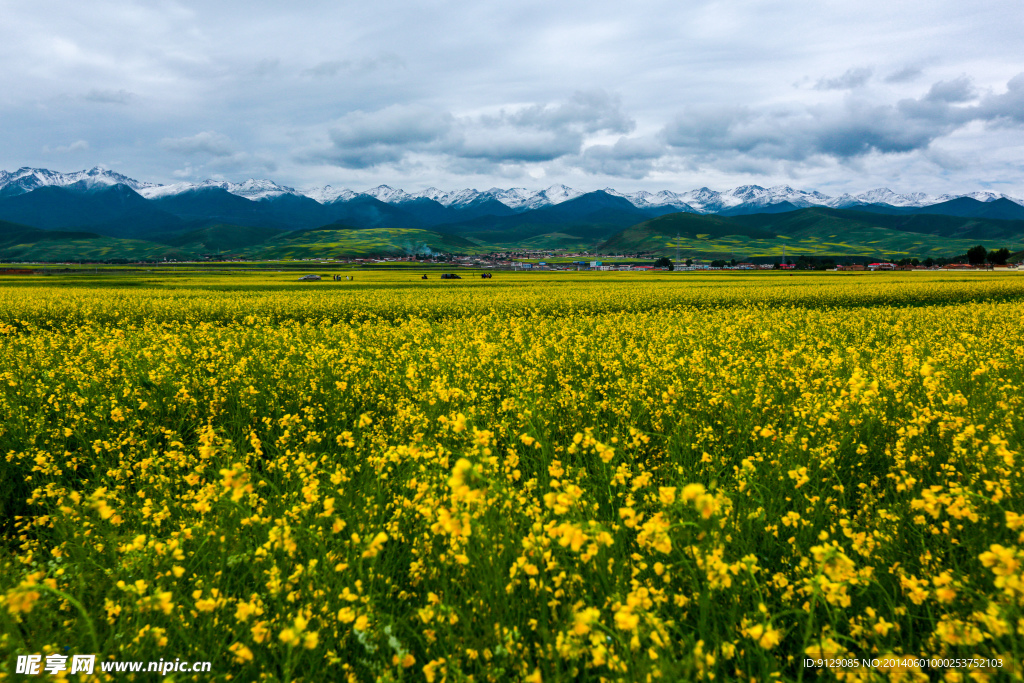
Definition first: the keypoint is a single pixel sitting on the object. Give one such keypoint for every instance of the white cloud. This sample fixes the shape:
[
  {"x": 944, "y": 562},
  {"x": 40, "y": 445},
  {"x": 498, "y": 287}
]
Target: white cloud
[
  {"x": 76, "y": 146},
  {"x": 666, "y": 93}
]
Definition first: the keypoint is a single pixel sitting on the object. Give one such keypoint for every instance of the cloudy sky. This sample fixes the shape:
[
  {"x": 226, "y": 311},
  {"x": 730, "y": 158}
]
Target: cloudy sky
[{"x": 827, "y": 95}]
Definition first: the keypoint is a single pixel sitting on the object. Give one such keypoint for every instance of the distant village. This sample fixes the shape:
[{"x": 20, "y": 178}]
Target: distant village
[
  {"x": 529, "y": 261},
  {"x": 551, "y": 261}
]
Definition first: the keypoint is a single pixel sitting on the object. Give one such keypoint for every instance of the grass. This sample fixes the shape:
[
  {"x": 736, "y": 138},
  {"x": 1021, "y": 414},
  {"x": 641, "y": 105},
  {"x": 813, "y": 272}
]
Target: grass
[
  {"x": 857, "y": 243},
  {"x": 816, "y": 231}
]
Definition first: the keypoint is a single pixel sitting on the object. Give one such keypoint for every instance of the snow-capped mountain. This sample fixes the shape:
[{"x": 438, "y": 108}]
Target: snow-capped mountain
[
  {"x": 26, "y": 179},
  {"x": 328, "y": 194},
  {"x": 167, "y": 190},
  {"x": 884, "y": 195},
  {"x": 754, "y": 196},
  {"x": 644, "y": 199},
  {"x": 388, "y": 195},
  {"x": 701, "y": 200},
  {"x": 842, "y": 201},
  {"x": 514, "y": 197},
  {"x": 704, "y": 200},
  {"x": 252, "y": 188},
  {"x": 257, "y": 189},
  {"x": 556, "y": 194},
  {"x": 455, "y": 198},
  {"x": 980, "y": 196}
]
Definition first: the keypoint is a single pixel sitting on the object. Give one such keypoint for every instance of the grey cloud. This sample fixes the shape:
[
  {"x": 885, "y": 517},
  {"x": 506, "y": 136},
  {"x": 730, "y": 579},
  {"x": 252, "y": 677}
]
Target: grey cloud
[
  {"x": 515, "y": 145},
  {"x": 366, "y": 156},
  {"x": 628, "y": 157},
  {"x": 846, "y": 131},
  {"x": 857, "y": 130},
  {"x": 535, "y": 133},
  {"x": 1007, "y": 108},
  {"x": 945, "y": 161},
  {"x": 957, "y": 90},
  {"x": 708, "y": 127},
  {"x": 542, "y": 132},
  {"x": 396, "y": 125},
  {"x": 904, "y": 75},
  {"x": 266, "y": 67},
  {"x": 108, "y": 96},
  {"x": 330, "y": 69},
  {"x": 208, "y": 142},
  {"x": 853, "y": 78},
  {"x": 367, "y": 139},
  {"x": 327, "y": 69},
  {"x": 587, "y": 111},
  {"x": 486, "y": 167}
]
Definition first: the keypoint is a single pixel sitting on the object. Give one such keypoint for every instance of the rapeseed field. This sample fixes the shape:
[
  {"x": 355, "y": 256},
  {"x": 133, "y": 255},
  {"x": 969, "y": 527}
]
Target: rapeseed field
[{"x": 537, "y": 477}]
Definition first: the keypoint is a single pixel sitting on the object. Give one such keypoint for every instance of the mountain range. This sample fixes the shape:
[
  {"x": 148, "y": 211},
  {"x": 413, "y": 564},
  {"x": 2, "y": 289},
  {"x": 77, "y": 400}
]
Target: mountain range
[
  {"x": 743, "y": 199},
  {"x": 101, "y": 213}
]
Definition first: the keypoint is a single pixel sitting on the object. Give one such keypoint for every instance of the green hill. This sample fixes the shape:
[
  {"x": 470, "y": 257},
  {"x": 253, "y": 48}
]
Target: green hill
[
  {"x": 331, "y": 242},
  {"x": 815, "y": 231},
  {"x": 53, "y": 246},
  {"x": 819, "y": 220},
  {"x": 220, "y": 238},
  {"x": 25, "y": 243},
  {"x": 655, "y": 234}
]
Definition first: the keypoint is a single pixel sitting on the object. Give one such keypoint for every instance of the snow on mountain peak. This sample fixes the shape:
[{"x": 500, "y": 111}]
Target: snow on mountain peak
[
  {"x": 253, "y": 188},
  {"x": 982, "y": 196},
  {"x": 166, "y": 190},
  {"x": 514, "y": 197},
  {"x": 883, "y": 195},
  {"x": 387, "y": 194},
  {"x": 434, "y": 194},
  {"x": 522, "y": 199},
  {"x": 747, "y": 193},
  {"x": 462, "y": 197},
  {"x": 705, "y": 200},
  {"x": 260, "y": 188},
  {"x": 877, "y": 196},
  {"x": 328, "y": 194},
  {"x": 558, "y": 193},
  {"x": 643, "y": 199},
  {"x": 26, "y": 179},
  {"x": 702, "y": 200},
  {"x": 451, "y": 198}
]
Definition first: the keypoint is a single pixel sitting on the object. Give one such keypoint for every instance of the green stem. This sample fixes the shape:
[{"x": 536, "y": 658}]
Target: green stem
[{"x": 81, "y": 610}]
